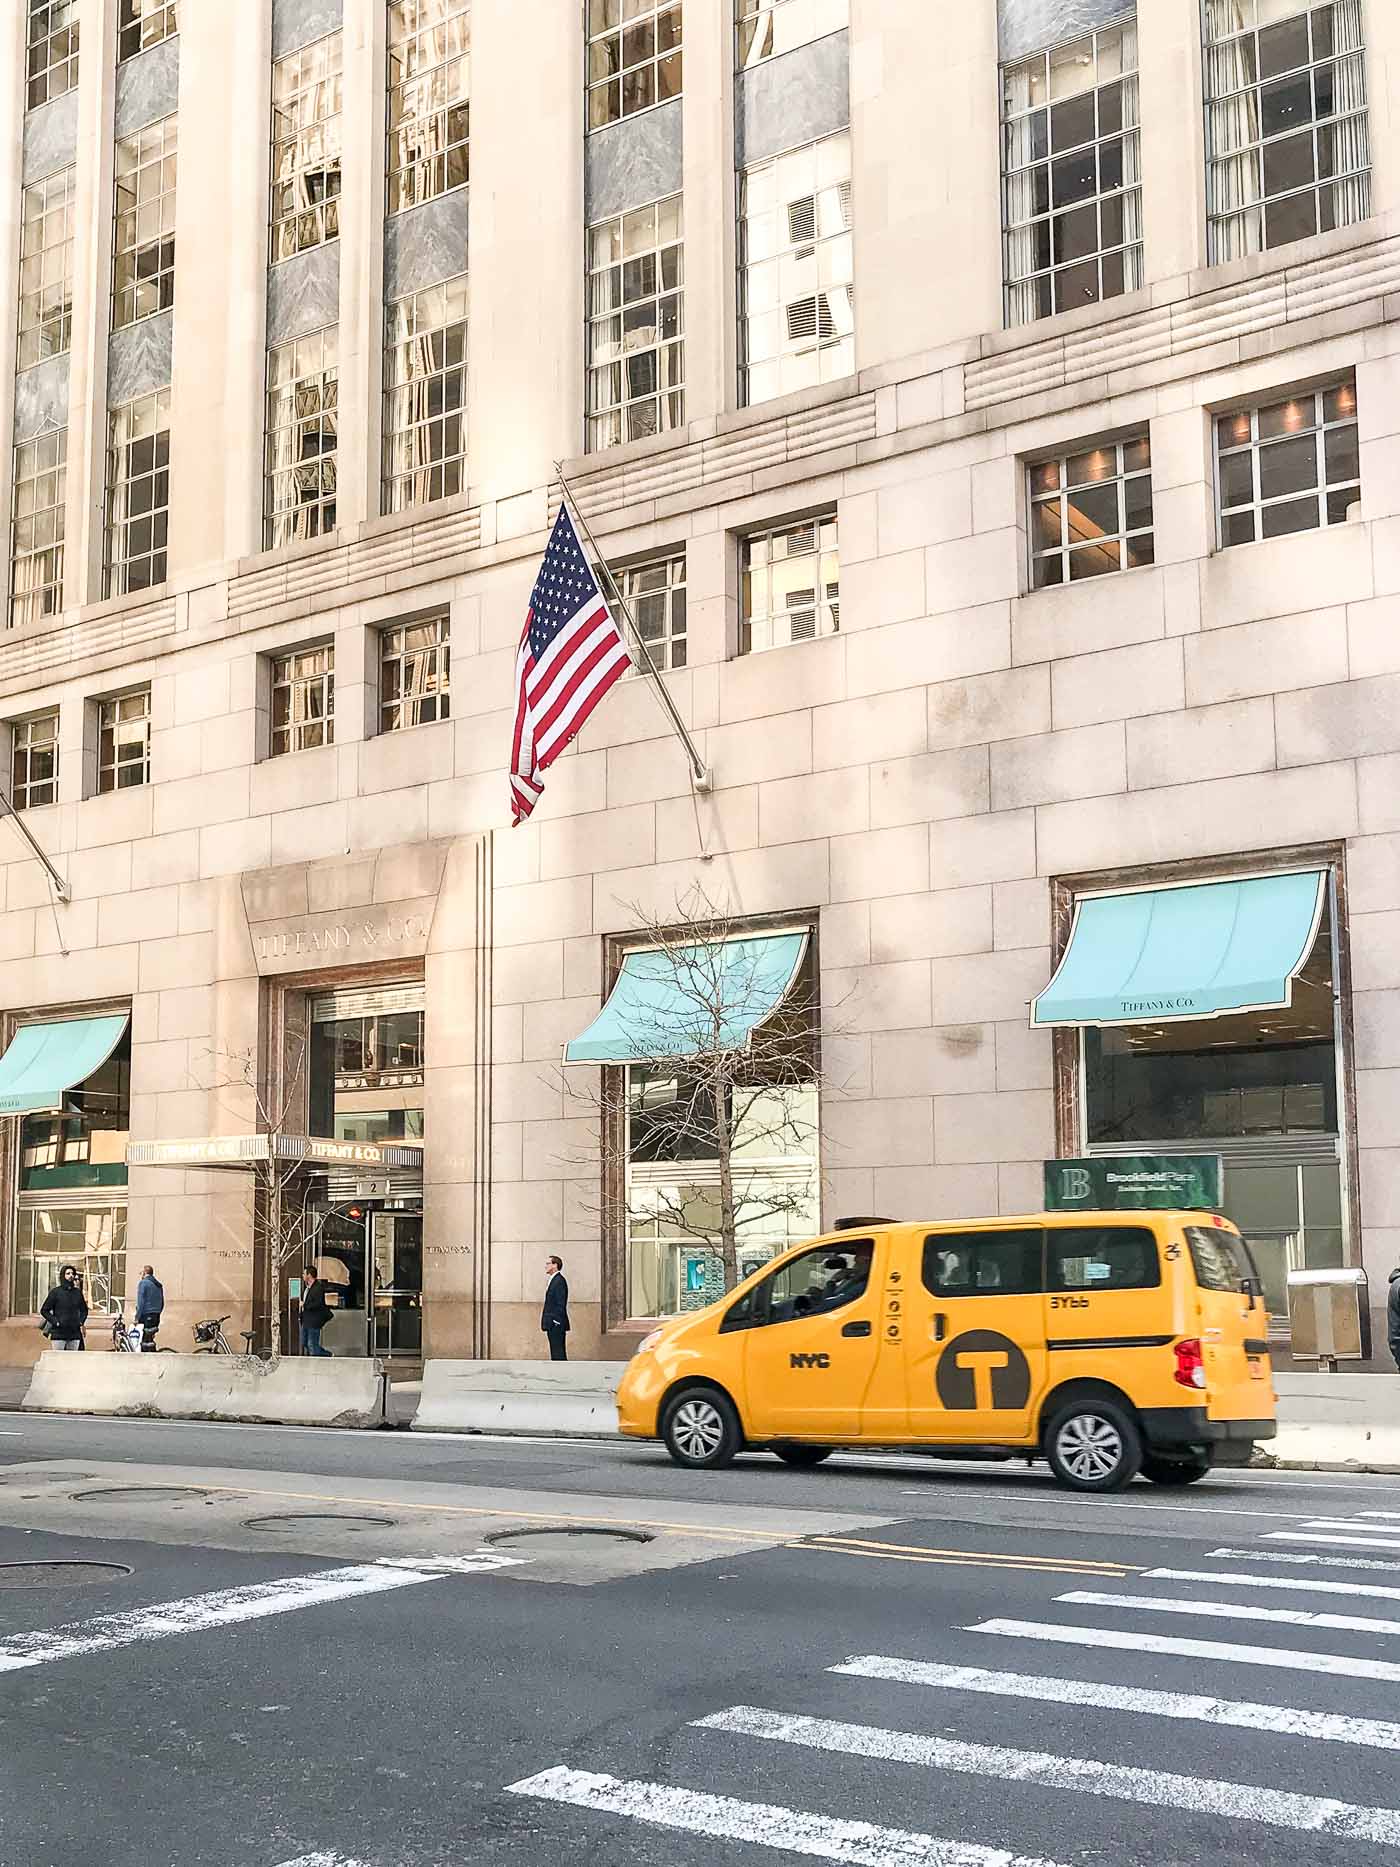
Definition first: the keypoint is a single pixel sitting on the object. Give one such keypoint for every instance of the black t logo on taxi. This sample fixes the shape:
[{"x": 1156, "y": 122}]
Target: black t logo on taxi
[{"x": 984, "y": 1371}]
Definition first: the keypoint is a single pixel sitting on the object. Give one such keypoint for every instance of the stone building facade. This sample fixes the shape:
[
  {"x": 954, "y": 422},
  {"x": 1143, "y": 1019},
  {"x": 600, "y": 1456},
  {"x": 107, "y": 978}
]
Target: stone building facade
[{"x": 996, "y": 421}]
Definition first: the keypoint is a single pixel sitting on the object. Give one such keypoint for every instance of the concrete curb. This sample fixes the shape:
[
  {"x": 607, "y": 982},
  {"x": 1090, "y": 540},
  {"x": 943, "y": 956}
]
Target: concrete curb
[{"x": 296, "y": 1391}]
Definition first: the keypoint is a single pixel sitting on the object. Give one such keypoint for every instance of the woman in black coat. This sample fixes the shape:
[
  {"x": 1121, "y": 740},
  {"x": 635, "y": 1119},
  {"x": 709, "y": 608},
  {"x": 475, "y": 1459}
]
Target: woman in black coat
[{"x": 65, "y": 1309}]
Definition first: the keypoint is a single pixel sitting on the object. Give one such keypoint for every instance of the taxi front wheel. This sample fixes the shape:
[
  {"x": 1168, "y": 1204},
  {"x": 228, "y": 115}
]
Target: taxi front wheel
[
  {"x": 701, "y": 1429},
  {"x": 1094, "y": 1445}
]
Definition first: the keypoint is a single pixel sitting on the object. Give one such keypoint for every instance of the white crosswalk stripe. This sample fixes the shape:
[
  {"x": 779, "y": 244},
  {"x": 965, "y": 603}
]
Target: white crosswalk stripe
[
  {"x": 1281, "y": 1720},
  {"x": 1231, "y": 1611},
  {"x": 1331, "y": 1540},
  {"x": 1372, "y": 1563},
  {"x": 1157, "y": 1788},
  {"x": 791, "y": 1831},
  {"x": 1371, "y": 1590},
  {"x": 1233, "y": 1652},
  {"x": 1100, "y": 1716}
]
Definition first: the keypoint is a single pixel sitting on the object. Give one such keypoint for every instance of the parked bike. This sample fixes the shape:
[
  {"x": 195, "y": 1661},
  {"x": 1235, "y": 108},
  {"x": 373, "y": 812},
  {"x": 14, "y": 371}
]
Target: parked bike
[
  {"x": 126, "y": 1337},
  {"x": 211, "y": 1339}
]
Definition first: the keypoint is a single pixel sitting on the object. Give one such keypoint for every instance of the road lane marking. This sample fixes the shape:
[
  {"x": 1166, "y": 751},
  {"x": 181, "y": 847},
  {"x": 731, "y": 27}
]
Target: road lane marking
[
  {"x": 1370, "y": 1589},
  {"x": 790, "y": 1831},
  {"x": 969, "y": 1560},
  {"x": 1331, "y": 1542},
  {"x": 1392, "y": 1515},
  {"x": 1342, "y": 1665},
  {"x": 920, "y": 1549},
  {"x": 1292, "y": 1555},
  {"x": 323, "y": 1860},
  {"x": 1196, "y": 1707},
  {"x": 1231, "y": 1611},
  {"x": 225, "y": 1607},
  {"x": 1201, "y": 1795},
  {"x": 966, "y": 1558},
  {"x": 1351, "y": 1523}
]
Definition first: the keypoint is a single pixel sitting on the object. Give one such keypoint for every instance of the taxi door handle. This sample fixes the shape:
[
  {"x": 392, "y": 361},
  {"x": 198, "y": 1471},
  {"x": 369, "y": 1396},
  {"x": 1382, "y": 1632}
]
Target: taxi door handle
[
  {"x": 856, "y": 1328},
  {"x": 940, "y": 1325}
]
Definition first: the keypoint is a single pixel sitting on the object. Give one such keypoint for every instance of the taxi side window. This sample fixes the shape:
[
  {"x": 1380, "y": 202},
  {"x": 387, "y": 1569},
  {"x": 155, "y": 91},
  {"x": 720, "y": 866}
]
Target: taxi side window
[
  {"x": 746, "y": 1312},
  {"x": 827, "y": 1278},
  {"x": 982, "y": 1264},
  {"x": 1102, "y": 1257}
]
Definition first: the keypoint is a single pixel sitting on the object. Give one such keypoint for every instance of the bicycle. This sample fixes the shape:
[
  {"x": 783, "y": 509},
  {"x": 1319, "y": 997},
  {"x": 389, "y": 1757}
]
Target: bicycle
[
  {"x": 212, "y": 1340},
  {"x": 122, "y": 1343}
]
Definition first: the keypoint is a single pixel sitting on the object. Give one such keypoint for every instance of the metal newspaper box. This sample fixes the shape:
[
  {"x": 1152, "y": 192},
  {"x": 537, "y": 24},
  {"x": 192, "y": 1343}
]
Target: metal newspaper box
[{"x": 1329, "y": 1313}]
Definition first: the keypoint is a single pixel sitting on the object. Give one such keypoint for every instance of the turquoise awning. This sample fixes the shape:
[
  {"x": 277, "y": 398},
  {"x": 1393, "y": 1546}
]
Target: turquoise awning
[
  {"x": 689, "y": 999},
  {"x": 44, "y": 1060},
  {"x": 1199, "y": 951}
]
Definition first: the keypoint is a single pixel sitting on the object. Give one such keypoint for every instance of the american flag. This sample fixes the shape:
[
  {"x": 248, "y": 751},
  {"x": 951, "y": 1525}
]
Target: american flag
[{"x": 571, "y": 652}]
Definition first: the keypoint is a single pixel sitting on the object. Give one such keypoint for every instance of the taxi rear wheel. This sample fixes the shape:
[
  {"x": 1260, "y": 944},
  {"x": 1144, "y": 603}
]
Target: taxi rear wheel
[
  {"x": 1174, "y": 1472},
  {"x": 701, "y": 1429},
  {"x": 802, "y": 1456},
  {"x": 1094, "y": 1445}
]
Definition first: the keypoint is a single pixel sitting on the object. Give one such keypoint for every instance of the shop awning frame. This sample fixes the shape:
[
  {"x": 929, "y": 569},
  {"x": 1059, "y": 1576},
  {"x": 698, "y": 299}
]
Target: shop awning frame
[
  {"x": 651, "y": 1013},
  {"x": 1193, "y": 950},
  {"x": 241, "y": 1151},
  {"x": 45, "y": 1060}
]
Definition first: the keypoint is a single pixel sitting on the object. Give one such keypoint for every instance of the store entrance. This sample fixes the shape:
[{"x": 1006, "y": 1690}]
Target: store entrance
[{"x": 370, "y": 1253}]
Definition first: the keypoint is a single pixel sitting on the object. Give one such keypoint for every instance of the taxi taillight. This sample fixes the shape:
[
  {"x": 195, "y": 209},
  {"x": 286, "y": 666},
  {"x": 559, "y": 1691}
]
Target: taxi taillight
[{"x": 1190, "y": 1363}]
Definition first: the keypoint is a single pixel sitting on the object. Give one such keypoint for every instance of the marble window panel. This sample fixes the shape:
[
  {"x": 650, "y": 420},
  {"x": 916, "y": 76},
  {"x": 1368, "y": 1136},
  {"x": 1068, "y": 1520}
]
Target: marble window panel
[
  {"x": 148, "y": 87},
  {"x": 138, "y": 358},
  {"x": 634, "y": 162},
  {"x": 296, "y": 23},
  {"x": 303, "y": 294},
  {"x": 793, "y": 100},
  {"x": 51, "y": 137},
  {"x": 425, "y": 245},
  {"x": 1031, "y": 25},
  {"x": 41, "y": 398}
]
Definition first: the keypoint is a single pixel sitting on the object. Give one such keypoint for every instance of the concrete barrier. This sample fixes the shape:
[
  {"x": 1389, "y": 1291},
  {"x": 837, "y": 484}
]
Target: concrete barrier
[
  {"x": 296, "y": 1391},
  {"x": 1336, "y": 1422},
  {"x": 573, "y": 1399}
]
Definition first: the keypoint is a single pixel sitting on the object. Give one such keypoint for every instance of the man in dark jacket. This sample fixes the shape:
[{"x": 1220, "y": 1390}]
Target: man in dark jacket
[
  {"x": 1392, "y": 1311},
  {"x": 554, "y": 1318},
  {"x": 150, "y": 1302},
  {"x": 65, "y": 1310},
  {"x": 316, "y": 1312}
]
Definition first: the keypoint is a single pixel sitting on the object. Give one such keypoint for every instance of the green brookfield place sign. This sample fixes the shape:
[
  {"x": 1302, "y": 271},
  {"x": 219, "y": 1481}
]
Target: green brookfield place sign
[{"x": 1134, "y": 1182}]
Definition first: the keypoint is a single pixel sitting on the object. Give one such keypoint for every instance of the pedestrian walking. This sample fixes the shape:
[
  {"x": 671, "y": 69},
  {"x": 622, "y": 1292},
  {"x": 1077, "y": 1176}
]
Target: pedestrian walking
[
  {"x": 554, "y": 1318},
  {"x": 65, "y": 1310},
  {"x": 150, "y": 1303},
  {"x": 1392, "y": 1311},
  {"x": 316, "y": 1312}
]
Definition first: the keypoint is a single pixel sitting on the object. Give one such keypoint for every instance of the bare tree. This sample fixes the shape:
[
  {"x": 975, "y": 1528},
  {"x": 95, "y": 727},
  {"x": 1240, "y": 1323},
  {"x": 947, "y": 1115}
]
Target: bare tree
[
  {"x": 284, "y": 1224},
  {"x": 723, "y": 1083}
]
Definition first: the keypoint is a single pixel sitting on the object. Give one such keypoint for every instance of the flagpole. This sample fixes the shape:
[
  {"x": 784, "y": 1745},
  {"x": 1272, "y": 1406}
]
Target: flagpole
[
  {"x": 700, "y": 775},
  {"x": 56, "y": 881}
]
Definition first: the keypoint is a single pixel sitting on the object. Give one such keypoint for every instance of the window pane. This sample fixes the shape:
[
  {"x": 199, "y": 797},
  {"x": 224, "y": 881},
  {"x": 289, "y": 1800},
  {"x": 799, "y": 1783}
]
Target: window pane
[{"x": 1101, "y": 1257}]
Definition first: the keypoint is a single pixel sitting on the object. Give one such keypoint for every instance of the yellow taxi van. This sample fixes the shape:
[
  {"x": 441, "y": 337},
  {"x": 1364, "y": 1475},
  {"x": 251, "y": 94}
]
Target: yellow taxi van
[{"x": 1108, "y": 1343}]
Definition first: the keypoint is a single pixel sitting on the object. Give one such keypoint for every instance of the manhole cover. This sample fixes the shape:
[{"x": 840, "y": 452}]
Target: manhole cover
[
  {"x": 288, "y": 1519},
  {"x": 566, "y": 1539},
  {"x": 143, "y": 1494},
  {"x": 58, "y": 1574}
]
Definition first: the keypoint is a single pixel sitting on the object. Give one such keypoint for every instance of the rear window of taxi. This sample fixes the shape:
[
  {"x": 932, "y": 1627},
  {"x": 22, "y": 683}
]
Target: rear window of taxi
[{"x": 1221, "y": 1258}]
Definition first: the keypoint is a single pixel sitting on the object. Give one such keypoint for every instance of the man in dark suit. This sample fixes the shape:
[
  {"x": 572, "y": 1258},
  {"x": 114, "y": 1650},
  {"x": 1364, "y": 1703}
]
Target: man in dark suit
[{"x": 554, "y": 1318}]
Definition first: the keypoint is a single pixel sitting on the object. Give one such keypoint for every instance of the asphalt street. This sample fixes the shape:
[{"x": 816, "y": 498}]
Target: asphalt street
[{"x": 268, "y": 1646}]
